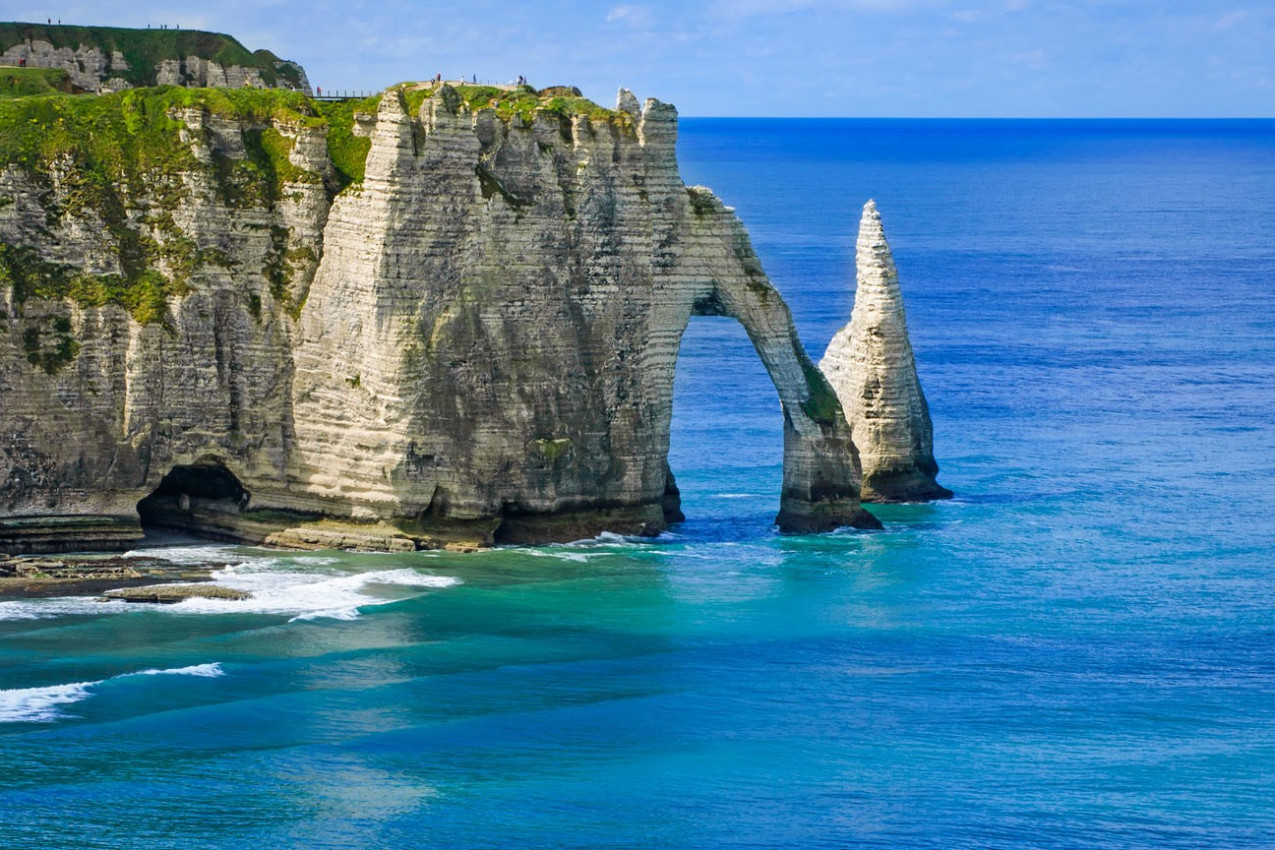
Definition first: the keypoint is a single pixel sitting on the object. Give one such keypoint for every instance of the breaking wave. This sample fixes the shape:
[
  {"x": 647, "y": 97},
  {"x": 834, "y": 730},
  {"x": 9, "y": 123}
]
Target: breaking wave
[
  {"x": 302, "y": 587},
  {"x": 44, "y": 705}
]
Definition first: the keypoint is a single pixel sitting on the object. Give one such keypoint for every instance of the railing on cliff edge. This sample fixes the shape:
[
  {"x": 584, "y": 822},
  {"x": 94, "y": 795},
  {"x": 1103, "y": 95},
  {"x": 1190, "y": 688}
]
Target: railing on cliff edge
[{"x": 344, "y": 95}]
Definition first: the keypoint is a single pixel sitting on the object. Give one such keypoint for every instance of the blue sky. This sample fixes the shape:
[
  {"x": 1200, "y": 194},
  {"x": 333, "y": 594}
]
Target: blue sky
[{"x": 1013, "y": 58}]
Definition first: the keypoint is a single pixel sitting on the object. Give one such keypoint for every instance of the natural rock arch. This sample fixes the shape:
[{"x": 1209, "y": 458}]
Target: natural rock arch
[
  {"x": 523, "y": 291},
  {"x": 820, "y": 489}
]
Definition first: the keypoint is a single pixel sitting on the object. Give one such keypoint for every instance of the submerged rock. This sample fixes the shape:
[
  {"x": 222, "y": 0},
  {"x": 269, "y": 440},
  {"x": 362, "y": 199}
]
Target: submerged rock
[{"x": 871, "y": 366}]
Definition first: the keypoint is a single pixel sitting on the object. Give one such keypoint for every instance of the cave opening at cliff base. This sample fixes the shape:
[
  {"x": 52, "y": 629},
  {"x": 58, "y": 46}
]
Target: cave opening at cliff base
[{"x": 203, "y": 498}]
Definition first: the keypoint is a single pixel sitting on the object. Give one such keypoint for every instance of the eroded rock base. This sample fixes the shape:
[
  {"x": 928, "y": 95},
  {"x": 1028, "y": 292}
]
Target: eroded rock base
[
  {"x": 819, "y": 517},
  {"x": 908, "y": 485},
  {"x": 27, "y": 535},
  {"x": 536, "y": 529}
]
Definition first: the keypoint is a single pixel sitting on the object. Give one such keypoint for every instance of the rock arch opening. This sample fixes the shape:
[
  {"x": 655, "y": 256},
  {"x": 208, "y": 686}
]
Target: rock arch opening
[
  {"x": 726, "y": 436},
  {"x": 204, "y": 499}
]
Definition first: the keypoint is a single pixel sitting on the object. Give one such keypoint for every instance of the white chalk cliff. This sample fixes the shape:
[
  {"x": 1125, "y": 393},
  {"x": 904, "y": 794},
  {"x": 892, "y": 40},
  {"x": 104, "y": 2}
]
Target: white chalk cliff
[
  {"x": 871, "y": 366},
  {"x": 474, "y": 343}
]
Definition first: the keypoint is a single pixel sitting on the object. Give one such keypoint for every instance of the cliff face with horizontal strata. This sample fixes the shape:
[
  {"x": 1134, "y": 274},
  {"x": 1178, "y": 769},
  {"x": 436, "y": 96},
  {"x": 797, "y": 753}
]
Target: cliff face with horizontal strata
[
  {"x": 104, "y": 59},
  {"x": 474, "y": 342}
]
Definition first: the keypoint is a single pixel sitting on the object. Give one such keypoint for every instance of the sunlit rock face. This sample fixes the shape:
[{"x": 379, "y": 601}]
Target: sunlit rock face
[
  {"x": 870, "y": 365},
  {"x": 476, "y": 342}
]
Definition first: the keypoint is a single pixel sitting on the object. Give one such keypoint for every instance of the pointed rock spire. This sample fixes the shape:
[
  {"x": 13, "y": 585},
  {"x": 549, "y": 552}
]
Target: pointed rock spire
[
  {"x": 626, "y": 101},
  {"x": 870, "y": 365}
]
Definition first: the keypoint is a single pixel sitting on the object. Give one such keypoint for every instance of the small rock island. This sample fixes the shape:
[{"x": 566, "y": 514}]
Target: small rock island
[{"x": 444, "y": 316}]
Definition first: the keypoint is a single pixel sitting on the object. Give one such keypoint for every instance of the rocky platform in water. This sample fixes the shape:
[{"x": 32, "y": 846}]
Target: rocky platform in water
[
  {"x": 170, "y": 594},
  {"x": 87, "y": 575}
]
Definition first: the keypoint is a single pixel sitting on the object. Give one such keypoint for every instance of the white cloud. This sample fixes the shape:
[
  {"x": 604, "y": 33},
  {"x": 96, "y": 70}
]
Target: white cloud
[{"x": 634, "y": 16}]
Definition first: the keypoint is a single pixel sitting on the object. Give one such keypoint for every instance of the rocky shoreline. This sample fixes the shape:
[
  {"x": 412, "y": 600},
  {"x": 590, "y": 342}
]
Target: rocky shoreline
[{"x": 87, "y": 575}]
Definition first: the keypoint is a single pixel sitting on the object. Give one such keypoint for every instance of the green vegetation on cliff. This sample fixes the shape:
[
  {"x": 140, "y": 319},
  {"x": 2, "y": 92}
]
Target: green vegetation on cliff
[
  {"x": 121, "y": 157},
  {"x": 124, "y": 160},
  {"x": 143, "y": 50},
  {"x": 104, "y": 139},
  {"x": 34, "y": 82},
  {"x": 821, "y": 404},
  {"x": 347, "y": 151},
  {"x": 522, "y": 101},
  {"x": 144, "y": 292}
]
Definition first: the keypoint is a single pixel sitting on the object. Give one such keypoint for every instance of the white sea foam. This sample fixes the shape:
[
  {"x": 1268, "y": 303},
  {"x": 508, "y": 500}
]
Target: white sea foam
[
  {"x": 209, "y": 671},
  {"x": 563, "y": 553},
  {"x": 299, "y": 587},
  {"x": 43, "y": 609},
  {"x": 211, "y": 553},
  {"x": 307, "y": 595},
  {"x": 42, "y": 705}
]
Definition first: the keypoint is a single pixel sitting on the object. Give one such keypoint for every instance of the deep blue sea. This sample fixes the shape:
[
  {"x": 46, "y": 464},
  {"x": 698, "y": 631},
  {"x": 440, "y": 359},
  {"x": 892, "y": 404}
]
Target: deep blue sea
[{"x": 1076, "y": 652}]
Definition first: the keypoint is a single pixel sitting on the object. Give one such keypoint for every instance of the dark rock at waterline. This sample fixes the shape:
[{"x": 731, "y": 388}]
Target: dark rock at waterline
[
  {"x": 168, "y": 594},
  {"x": 81, "y": 575}
]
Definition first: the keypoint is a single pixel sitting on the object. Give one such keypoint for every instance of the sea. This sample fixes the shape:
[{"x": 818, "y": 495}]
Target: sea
[{"x": 1077, "y": 651}]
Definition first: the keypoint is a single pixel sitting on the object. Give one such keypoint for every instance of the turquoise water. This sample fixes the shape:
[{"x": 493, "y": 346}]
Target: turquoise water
[{"x": 1077, "y": 651}]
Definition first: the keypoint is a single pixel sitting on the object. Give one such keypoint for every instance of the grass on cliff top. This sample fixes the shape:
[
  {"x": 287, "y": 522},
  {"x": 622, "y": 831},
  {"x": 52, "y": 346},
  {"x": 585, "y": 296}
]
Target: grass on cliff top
[
  {"x": 34, "y": 82},
  {"x": 104, "y": 152},
  {"x": 121, "y": 136},
  {"x": 145, "y": 49},
  {"x": 521, "y": 100},
  {"x": 124, "y": 135},
  {"x": 349, "y": 152}
]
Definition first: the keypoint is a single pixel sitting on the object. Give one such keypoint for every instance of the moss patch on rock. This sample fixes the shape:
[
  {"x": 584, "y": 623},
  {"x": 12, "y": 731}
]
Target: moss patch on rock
[
  {"x": 144, "y": 295},
  {"x": 822, "y": 404}
]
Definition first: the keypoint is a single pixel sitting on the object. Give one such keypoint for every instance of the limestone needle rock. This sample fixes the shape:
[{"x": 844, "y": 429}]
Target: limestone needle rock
[{"x": 870, "y": 365}]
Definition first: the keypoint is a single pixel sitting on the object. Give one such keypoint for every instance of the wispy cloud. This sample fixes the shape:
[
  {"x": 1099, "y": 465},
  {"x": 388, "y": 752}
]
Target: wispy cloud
[{"x": 634, "y": 16}]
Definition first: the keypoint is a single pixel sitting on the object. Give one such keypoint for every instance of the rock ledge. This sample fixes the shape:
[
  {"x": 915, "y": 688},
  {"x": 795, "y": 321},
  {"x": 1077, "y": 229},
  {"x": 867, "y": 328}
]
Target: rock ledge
[{"x": 168, "y": 594}]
